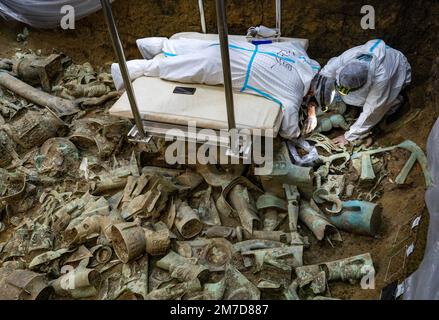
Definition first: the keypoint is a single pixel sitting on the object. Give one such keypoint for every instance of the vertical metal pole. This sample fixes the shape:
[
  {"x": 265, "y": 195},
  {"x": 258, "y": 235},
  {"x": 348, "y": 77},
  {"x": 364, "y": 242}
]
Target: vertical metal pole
[
  {"x": 225, "y": 57},
  {"x": 202, "y": 16},
  {"x": 279, "y": 16},
  {"x": 106, "y": 6}
]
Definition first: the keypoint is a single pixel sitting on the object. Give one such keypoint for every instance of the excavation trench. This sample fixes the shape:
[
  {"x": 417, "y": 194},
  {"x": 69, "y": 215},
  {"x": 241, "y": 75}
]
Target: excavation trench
[{"x": 331, "y": 27}]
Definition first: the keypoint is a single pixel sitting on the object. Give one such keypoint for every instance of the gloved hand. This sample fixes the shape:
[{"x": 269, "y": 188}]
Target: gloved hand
[
  {"x": 311, "y": 121},
  {"x": 310, "y": 124},
  {"x": 340, "y": 141}
]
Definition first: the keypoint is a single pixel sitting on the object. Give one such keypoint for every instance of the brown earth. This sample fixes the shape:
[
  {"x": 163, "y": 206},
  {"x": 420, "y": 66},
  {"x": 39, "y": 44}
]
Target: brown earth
[{"x": 332, "y": 27}]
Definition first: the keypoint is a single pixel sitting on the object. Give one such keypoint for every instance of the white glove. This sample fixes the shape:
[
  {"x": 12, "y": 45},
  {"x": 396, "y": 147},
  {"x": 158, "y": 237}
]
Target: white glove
[{"x": 310, "y": 124}]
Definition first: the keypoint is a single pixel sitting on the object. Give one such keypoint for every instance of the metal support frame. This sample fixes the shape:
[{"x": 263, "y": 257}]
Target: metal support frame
[
  {"x": 106, "y": 6},
  {"x": 225, "y": 58},
  {"x": 137, "y": 133},
  {"x": 279, "y": 17},
  {"x": 202, "y": 16}
]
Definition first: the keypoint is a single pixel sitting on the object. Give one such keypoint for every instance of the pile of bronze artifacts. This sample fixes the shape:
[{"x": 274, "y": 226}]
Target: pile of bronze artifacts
[{"x": 84, "y": 217}]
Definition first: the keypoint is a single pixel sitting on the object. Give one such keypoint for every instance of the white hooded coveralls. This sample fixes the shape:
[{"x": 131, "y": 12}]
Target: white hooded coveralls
[{"x": 389, "y": 73}]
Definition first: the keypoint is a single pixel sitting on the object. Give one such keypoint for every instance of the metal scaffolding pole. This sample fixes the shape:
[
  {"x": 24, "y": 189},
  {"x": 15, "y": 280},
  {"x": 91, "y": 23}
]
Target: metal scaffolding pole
[
  {"x": 279, "y": 16},
  {"x": 225, "y": 57},
  {"x": 106, "y": 6},
  {"x": 202, "y": 16}
]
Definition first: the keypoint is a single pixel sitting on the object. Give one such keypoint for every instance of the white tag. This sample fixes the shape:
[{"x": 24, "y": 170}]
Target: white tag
[
  {"x": 410, "y": 249},
  {"x": 416, "y": 222},
  {"x": 400, "y": 290}
]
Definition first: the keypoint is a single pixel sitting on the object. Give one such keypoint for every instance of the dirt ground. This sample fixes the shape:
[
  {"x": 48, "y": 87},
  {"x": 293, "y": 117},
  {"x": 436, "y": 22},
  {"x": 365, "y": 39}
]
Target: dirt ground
[{"x": 400, "y": 204}]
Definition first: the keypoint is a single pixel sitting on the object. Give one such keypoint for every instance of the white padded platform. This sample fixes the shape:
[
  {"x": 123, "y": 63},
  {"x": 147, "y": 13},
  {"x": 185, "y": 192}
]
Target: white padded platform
[
  {"x": 158, "y": 103},
  {"x": 201, "y": 36}
]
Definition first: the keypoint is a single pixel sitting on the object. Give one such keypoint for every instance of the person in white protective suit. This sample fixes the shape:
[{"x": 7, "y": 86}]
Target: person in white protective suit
[
  {"x": 370, "y": 76},
  {"x": 281, "y": 72}
]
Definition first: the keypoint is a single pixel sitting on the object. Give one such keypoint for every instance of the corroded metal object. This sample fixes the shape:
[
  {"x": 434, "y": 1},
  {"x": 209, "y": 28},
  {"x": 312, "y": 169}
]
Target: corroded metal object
[
  {"x": 256, "y": 244},
  {"x": 334, "y": 121},
  {"x": 46, "y": 258},
  {"x": 128, "y": 241},
  {"x": 238, "y": 287},
  {"x": 101, "y": 255},
  {"x": 322, "y": 195},
  {"x": 224, "y": 232},
  {"x": 243, "y": 203},
  {"x": 41, "y": 238},
  {"x": 157, "y": 242},
  {"x": 214, "y": 253},
  {"x": 182, "y": 268},
  {"x": 282, "y": 258},
  {"x": 217, "y": 254},
  {"x": 214, "y": 291},
  {"x": 187, "y": 221},
  {"x": 62, "y": 107},
  {"x": 174, "y": 291},
  {"x": 23, "y": 285},
  {"x": 99, "y": 136},
  {"x": 207, "y": 210},
  {"x": 78, "y": 283},
  {"x": 293, "y": 197},
  {"x": 37, "y": 70},
  {"x": 12, "y": 186},
  {"x": 285, "y": 172},
  {"x": 360, "y": 217},
  {"x": 318, "y": 224},
  {"x": 31, "y": 128},
  {"x": 279, "y": 236},
  {"x": 57, "y": 156},
  {"x": 134, "y": 280},
  {"x": 290, "y": 293},
  {"x": 6, "y": 149},
  {"x": 17, "y": 245},
  {"x": 269, "y": 204},
  {"x": 351, "y": 269}
]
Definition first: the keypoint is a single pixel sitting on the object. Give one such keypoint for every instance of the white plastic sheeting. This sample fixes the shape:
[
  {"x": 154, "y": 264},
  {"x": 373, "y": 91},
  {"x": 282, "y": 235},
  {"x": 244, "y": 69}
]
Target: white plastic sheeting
[
  {"x": 281, "y": 72},
  {"x": 424, "y": 283},
  {"x": 45, "y": 13}
]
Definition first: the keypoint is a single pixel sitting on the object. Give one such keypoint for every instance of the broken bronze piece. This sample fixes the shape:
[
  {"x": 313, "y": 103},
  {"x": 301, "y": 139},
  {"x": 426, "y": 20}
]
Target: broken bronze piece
[
  {"x": 23, "y": 285},
  {"x": 187, "y": 221},
  {"x": 360, "y": 217},
  {"x": 128, "y": 241},
  {"x": 238, "y": 287},
  {"x": 318, "y": 224},
  {"x": 78, "y": 283},
  {"x": 182, "y": 268},
  {"x": 36, "y": 70},
  {"x": 31, "y": 128}
]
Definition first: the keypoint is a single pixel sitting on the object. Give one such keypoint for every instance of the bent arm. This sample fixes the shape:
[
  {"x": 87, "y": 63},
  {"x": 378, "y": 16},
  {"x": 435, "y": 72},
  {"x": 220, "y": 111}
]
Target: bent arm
[
  {"x": 378, "y": 103},
  {"x": 290, "y": 123}
]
